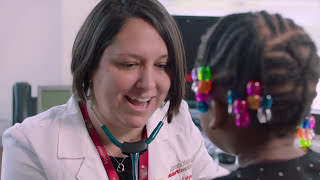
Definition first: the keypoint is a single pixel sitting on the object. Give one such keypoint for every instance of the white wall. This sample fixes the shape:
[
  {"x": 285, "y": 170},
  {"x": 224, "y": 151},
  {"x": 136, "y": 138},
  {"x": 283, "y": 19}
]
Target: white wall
[
  {"x": 36, "y": 36},
  {"x": 29, "y": 46},
  {"x": 73, "y": 14}
]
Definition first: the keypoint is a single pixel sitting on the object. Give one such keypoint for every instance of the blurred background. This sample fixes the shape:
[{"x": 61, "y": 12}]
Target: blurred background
[{"x": 36, "y": 36}]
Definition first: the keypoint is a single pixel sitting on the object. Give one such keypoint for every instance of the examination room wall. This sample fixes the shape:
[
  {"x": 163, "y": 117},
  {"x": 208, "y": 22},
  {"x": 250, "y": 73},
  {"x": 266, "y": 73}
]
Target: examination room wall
[{"x": 36, "y": 38}]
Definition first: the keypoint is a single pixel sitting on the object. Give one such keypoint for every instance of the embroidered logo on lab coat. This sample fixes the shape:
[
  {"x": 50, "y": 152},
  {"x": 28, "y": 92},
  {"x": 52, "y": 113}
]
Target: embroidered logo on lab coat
[{"x": 179, "y": 168}]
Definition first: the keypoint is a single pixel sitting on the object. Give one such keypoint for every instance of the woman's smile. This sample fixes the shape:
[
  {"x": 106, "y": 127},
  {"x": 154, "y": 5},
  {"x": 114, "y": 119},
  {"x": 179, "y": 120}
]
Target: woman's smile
[{"x": 139, "y": 104}]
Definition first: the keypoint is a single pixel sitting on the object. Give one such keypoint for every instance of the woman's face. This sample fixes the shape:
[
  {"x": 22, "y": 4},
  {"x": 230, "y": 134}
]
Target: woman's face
[{"x": 132, "y": 78}]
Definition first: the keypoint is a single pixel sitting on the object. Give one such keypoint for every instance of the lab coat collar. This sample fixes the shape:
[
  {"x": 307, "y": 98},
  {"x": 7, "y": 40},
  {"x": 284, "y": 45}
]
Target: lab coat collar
[
  {"x": 71, "y": 144},
  {"x": 74, "y": 146}
]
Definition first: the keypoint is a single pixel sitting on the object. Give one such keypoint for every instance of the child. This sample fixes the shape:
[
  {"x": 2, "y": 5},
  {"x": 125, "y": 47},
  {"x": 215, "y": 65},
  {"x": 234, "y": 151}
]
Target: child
[{"x": 255, "y": 80}]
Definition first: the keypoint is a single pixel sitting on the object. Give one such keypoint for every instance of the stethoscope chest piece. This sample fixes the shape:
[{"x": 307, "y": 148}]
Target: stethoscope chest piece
[{"x": 128, "y": 148}]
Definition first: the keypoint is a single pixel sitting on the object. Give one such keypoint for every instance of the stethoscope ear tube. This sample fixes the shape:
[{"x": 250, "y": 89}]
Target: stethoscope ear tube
[
  {"x": 110, "y": 136},
  {"x": 154, "y": 133}
]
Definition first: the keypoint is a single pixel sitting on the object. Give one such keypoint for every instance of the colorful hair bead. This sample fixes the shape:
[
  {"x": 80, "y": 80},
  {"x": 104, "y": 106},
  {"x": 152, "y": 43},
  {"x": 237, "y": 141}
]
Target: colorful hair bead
[
  {"x": 240, "y": 108},
  {"x": 201, "y": 85},
  {"x": 257, "y": 102},
  {"x": 203, "y": 107},
  {"x": 254, "y": 88},
  {"x": 243, "y": 119},
  {"x": 264, "y": 115},
  {"x": 312, "y": 122},
  {"x": 232, "y": 95},
  {"x": 194, "y": 74},
  {"x": 266, "y": 102},
  {"x": 204, "y": 87},
  {"x": 305, "y": 124},
  {"x": 254, "y": 101},
  {"x": 306, "y": 132},
  {"x": 202, "y": 97},
  {"x": 188, "y": 78},
  {"x": 254, "y": 92},
  {"x": 264, "y": 112},
  {"x": 204, "y": 73},
  {"x": 305, "y": 144},
  {"x": 194, "y": 87}
]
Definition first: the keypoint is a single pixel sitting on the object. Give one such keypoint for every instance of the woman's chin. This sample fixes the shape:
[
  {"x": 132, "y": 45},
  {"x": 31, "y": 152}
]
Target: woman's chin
[{"x": 136, "y": 123}]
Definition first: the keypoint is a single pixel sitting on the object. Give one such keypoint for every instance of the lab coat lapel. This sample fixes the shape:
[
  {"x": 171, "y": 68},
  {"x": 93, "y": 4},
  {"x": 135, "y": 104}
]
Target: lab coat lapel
[
  {"x": 159, "y": 149},
  {"x": 89, "y": 170},
  {"x": 74, "y": 143}
]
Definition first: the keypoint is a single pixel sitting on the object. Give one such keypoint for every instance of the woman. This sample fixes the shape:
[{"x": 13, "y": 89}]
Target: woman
[
  {"x": 256, "y": 84},
  {"x": 128, "y": 69}
]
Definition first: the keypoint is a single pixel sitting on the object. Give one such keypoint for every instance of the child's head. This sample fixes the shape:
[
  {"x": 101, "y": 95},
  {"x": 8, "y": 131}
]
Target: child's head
[{"x": 268, "y": 49}]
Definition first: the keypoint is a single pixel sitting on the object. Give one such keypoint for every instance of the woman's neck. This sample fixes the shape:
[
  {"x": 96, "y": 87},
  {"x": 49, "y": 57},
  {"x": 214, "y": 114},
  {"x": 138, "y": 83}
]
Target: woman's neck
[
  {"x": 122, "y": 134},
  {"x": 274, "y": 150}
]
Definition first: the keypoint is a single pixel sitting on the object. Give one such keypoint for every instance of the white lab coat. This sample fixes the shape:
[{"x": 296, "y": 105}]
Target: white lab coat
[{"x": 55, "y": 145}]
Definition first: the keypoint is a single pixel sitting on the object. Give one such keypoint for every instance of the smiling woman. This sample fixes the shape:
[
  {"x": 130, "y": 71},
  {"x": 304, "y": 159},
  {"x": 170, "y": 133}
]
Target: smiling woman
[
  {"x": 139, "y": 56},
  {"x": 128, "y": 68}
]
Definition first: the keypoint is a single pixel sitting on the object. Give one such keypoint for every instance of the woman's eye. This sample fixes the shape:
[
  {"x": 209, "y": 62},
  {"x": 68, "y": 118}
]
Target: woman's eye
[
  {"x": 163, "y": 66},
  {"x": 128, "y": 65}
]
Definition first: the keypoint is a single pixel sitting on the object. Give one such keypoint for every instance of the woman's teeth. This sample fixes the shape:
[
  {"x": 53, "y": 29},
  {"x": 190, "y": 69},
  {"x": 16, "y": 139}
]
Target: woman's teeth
[{"x": 139, "y": 101}]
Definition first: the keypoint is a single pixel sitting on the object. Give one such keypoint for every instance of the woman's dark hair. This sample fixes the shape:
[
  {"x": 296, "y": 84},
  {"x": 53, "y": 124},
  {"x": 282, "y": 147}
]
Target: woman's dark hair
[
  {"x": 272, "y": 50},
  {"x": 103, "y": 24}
]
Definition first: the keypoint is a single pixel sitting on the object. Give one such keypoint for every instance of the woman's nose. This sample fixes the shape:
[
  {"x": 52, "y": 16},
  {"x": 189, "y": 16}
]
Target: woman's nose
[{"x": 147, "y": 79}]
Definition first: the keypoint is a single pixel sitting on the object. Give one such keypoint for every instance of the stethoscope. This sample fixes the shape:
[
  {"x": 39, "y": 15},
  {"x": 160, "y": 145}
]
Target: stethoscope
[{"x": 132, "y": 149}]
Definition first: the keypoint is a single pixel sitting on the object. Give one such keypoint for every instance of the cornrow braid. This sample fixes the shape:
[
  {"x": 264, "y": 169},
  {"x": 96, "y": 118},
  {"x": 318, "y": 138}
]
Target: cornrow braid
[
  {"x": 291, "y": 68},
  {"x": 272, "y": 50}
]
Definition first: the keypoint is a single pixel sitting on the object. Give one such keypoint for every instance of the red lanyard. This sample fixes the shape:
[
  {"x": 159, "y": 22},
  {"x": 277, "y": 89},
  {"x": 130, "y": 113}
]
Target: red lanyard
[{"x": 111, "y": 172}]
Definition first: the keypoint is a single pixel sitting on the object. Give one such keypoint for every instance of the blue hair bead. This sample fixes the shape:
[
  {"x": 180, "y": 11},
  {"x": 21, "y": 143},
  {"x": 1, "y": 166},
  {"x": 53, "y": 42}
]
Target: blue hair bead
[
  {"x": 231, "y": 97},
  {"x": 203, "y": 107},
  {"x": 266, "y": 102},
  {"x": 269, "y": 102},
  {"x": 305, "y": 124}
]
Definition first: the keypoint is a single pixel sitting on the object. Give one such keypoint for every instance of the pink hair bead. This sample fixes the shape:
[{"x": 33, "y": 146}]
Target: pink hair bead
[
  {"x": 242, "y": 120},
  {"x": 312, "y": 122},
  {"x": 202, "y": 97},
  {"x": 254, "y": 88},
  {"x": 240, "y": 106}
]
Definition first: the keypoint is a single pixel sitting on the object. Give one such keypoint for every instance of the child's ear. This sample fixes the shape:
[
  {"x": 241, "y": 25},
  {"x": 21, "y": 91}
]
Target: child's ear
[{"x": 219, "y": 113}]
